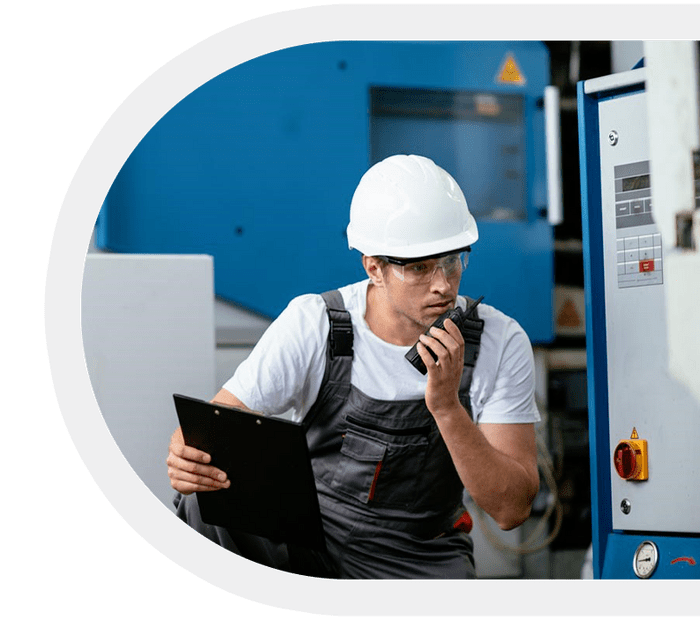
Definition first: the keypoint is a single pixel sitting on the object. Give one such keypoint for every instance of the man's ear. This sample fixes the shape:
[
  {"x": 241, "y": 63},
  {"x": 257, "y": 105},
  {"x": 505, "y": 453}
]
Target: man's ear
[{"x": 374, "y": 268}]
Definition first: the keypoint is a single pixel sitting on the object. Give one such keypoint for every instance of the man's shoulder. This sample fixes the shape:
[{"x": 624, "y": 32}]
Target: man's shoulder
[
  {"x": 313, "y": 302},
  {"x": 497, "y": 322},
  {"x": 303, "y": 309},
  {"x": 485, "y": 311},
  {"x": 354, "y": 296}
]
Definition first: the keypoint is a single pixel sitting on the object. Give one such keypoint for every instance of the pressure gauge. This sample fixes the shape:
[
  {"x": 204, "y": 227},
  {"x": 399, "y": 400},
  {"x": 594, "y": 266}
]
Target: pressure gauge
[{"x": 646, "y": 557}]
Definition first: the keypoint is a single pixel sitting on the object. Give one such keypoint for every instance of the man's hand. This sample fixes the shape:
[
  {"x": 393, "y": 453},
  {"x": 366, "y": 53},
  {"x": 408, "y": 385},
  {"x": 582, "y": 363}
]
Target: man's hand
[
  {"x": 188, "y": 468},
  {"x": 445, "y": 374}
]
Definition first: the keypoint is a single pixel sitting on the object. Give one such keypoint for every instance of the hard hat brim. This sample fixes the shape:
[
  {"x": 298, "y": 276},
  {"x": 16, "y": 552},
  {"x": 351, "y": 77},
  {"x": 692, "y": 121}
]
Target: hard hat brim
[
  {"x": 398, "y": 260},
  {"x": 417, "y": 251}
]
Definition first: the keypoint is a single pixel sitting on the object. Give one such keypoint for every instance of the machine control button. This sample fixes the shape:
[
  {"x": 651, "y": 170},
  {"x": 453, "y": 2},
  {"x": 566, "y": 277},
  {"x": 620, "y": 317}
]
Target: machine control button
[
  {"x": 630, "y": 458},
  {"x": 622, "y": 208},
  {"x": 637, "y": 206},
  {"x": 625, "y": 460},
  {"x": 646, "y": 241},
  {"x": 631, "y": 243}
]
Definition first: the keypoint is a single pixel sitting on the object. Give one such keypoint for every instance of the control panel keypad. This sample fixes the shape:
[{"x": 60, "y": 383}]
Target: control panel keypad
[
  {"x": 639, "y": 252},
  {"x": 639, "y": 260}
]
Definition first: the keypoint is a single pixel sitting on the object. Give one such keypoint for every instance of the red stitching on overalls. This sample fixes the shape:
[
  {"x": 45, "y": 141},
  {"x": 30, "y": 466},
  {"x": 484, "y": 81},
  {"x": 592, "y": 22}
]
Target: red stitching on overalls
[{"x": 374, "y": 482}]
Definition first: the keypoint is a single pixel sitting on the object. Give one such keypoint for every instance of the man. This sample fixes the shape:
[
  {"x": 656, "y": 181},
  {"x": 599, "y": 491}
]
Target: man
[{"x": 392, "y": 450}]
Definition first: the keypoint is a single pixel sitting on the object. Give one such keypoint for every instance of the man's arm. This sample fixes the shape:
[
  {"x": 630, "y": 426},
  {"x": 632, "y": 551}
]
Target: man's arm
[
  {"x": 497, "y": 463},
  {"x": 290, "y": 351},
  {"x": 188, "y": 468}
]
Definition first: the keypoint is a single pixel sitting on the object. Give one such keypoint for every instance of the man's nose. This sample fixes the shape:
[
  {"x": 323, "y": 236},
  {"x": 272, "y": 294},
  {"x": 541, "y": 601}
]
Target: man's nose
[{"x": 440, "y": 281}]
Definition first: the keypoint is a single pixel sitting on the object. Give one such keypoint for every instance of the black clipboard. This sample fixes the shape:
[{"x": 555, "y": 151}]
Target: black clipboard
[{"x": 272, "y": 492}]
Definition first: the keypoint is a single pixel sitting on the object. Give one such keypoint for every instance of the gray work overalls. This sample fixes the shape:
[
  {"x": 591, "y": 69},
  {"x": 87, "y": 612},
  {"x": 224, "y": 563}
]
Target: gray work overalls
[{"x": 390, "y": 497}]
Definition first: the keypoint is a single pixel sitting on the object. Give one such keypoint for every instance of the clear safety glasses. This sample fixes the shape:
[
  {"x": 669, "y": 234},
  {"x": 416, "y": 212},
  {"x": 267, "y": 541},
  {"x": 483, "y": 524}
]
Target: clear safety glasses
[{"x": 423, "y": 271}]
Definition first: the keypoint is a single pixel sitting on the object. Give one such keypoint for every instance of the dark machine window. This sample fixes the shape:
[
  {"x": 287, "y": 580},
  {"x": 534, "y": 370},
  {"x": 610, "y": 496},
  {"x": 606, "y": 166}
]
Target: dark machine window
[{"x": 478, "y": 137}]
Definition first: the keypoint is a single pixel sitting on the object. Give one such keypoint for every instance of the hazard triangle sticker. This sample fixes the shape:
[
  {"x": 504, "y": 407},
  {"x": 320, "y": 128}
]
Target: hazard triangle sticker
[
  {"x": 510, "y": 72},
  {"x": 568, "y": 317}
]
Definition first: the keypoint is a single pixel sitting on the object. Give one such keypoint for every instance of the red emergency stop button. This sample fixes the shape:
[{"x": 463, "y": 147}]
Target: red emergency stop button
[{"x": 625, "y": 459}]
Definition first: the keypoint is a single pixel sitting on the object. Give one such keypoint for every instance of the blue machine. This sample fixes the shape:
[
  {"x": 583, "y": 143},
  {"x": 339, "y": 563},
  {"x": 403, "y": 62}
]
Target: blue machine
[
  {"x": 257, "y": 167},
  {"x": 642, "y": 423}
]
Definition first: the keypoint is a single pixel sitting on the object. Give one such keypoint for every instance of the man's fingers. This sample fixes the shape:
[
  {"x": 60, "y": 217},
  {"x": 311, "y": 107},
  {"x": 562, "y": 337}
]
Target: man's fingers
[
  {"x": 433, "y": 343},
  {"x": 176, "y": 463},
  {"x": 188, "y": 477},
  {"x": 189, "y": 453},
  {"x": 452, "y": 329},
  {"x": 181, "y": 479},
  {"x": 425, "y": 355},
  {"x": 188, "y": 468},
  {"x": 447, "y": 347},
  {"x": 450, "y": 337},
  {"x": 444, "y": 344},
  {"x": 178, "y": 447},
  {"x": 187, "y": 488}
]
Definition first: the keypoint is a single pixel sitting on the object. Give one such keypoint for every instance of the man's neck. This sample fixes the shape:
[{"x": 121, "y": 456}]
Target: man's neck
[{"x": 390, "y": 326}]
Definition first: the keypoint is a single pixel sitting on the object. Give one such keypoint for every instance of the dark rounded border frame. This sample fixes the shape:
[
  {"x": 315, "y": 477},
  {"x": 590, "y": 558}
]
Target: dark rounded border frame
[{"x": 122, "y": 132}]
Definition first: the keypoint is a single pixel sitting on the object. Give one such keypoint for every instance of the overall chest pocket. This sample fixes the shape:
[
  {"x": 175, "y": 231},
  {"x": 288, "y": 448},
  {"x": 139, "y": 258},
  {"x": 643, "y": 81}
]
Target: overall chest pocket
[{"x": 382, "y": 466}]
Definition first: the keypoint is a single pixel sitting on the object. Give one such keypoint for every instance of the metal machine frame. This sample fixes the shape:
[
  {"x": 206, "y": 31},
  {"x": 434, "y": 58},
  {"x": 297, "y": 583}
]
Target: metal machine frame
[{"x": 620, "y": 552}]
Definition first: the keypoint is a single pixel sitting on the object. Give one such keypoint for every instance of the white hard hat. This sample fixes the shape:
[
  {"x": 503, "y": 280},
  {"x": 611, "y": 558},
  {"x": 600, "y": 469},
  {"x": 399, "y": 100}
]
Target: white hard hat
[{"x": 408, "y": 207}]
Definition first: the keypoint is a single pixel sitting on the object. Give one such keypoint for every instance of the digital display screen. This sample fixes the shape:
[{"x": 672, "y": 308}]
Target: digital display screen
[{"x": 631, "y": 183}]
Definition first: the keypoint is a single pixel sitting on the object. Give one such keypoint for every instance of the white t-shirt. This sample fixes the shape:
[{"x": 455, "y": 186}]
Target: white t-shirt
[{"x": 284, "y": 371}]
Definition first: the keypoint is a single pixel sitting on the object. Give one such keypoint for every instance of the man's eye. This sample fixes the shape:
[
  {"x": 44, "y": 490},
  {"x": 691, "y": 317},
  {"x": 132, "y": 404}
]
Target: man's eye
[{"x": 418, "y": 267}]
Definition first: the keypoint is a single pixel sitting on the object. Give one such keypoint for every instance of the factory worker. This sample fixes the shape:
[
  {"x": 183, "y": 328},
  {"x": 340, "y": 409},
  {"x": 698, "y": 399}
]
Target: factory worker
[{"x": 392, "y": 449}]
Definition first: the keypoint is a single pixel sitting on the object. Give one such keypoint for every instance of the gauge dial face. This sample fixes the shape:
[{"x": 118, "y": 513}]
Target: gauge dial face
[{"x": 645, "y": 559}]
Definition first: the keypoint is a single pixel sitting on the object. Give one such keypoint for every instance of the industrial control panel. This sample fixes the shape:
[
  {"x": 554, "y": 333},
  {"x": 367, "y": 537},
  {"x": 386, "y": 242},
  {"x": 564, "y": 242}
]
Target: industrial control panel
[{"x": 643, "y": 423}]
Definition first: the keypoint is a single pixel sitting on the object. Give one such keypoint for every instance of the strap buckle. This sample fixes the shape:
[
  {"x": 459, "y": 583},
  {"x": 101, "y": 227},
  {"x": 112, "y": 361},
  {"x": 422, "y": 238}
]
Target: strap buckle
[{"x": 341, "y": 337}]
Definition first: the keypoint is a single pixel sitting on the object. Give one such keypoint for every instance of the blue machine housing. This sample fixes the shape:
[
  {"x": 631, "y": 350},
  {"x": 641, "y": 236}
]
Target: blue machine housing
[
  {"x": 592, "y": 227},
  {"x": 257, "y": 167}
]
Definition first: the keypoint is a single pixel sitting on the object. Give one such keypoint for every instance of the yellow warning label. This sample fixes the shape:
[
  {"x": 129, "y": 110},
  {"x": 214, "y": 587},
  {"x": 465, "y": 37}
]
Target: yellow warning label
[
  {"x": 634, "y": 433},
  {"x": 510, "y": 72}
]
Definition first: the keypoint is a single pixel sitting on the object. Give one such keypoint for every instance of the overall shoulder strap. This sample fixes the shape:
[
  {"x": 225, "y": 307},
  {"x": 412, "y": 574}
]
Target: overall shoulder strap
[
  {"x": 340, "y": 336},
  {"x": 472, "y": 328},
  {"x": 339, "y": 352}
]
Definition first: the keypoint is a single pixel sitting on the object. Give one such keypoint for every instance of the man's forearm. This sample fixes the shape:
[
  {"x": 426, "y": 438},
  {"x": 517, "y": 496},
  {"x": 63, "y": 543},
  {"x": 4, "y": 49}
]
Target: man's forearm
[{"x": 503, "y": 485}]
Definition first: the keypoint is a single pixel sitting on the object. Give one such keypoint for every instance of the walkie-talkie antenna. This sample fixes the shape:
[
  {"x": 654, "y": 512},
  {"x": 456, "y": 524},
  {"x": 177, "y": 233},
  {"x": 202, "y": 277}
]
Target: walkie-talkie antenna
[{"x": 473, "y": 306}]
